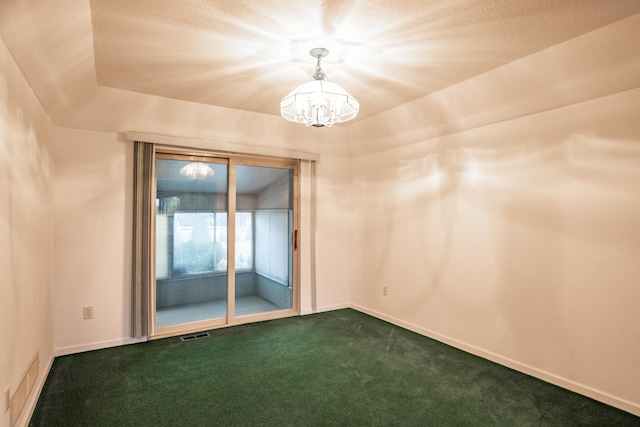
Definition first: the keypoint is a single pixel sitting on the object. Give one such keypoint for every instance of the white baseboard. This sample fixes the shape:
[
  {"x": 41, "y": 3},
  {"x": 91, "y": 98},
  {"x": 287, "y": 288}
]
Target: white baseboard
[
  {"x": 332, "y": 307},
  {"x": 324, "y": 308},
  {"x": 565, "y": 383},
  {"x": 63, "y": 351}
]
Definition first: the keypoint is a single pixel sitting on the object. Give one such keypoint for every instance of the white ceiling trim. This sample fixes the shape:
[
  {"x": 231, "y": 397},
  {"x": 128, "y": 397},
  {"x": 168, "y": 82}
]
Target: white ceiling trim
[{"x": 219, "y": 146}]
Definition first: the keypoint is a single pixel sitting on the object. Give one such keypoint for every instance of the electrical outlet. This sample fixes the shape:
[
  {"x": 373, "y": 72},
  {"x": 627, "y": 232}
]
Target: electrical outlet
[
  {"x": 384, "y": 290},
  {"x": 87, "y": 312},
  {"x": 7, "y": 399}
]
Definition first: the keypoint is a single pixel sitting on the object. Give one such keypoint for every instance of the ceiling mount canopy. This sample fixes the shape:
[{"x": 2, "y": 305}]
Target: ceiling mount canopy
[{"x": 319, "y": 103}]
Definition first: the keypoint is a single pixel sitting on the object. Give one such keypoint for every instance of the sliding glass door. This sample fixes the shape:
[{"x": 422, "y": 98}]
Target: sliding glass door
[
  {"x": 264, "y": 232},
  {"x": 196, "y": 287}
]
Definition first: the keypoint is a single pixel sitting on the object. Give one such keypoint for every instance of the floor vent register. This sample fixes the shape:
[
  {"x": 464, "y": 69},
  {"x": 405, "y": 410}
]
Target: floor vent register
[{"x": 196, "y": 336}]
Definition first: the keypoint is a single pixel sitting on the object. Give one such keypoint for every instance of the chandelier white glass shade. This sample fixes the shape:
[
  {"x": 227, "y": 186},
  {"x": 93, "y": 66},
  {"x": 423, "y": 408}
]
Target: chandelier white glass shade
[
  {"x": 320, "y": 102},
  {"x": 196, "y": 171}
]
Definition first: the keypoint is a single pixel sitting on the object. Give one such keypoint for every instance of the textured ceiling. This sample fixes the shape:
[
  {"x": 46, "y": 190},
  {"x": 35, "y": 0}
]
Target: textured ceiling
[{"x": 248, "y": 54}]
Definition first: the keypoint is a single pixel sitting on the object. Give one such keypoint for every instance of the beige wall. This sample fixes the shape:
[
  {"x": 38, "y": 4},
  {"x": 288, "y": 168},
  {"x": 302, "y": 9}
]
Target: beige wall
[
  {"x": 112, "y": 110},
  {"x": 333, "y": 233},
  {"x": 93, "y": 195},
  {"x": 26, "y": 232},
  {"x": 518, "y": 240},
  {"x": 92, "y": 201}
]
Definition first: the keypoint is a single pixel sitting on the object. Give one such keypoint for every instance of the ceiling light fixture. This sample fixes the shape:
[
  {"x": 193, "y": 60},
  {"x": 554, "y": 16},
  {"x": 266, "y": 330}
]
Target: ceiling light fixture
[
  {"x": 196, "y": 171},
  {"x": 319, "y": 103}
]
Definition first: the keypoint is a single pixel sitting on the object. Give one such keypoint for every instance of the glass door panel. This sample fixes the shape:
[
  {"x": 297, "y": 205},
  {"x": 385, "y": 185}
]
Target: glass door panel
[
  {"x": 211, "y": 211},
  {"x": 191, "y": 241},
  {"x": 263, "y": 243}
]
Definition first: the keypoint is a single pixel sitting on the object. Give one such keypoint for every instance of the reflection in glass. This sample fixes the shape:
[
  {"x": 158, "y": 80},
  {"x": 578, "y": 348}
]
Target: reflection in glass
[
  {"x": 191, "y": 243},
  {"x": 265, "y": 203}
]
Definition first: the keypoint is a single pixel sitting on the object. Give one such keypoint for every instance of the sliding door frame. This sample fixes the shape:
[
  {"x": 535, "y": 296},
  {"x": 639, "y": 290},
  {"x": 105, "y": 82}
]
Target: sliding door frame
[
  {"x": 231, "y": 160},
  {"x": 293, "y": 165}
]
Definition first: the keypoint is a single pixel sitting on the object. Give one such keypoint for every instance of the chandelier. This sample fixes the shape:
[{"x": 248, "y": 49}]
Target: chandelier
[
  {"x": 196, "y": 171},
  {"x": 319, "y": 103}
]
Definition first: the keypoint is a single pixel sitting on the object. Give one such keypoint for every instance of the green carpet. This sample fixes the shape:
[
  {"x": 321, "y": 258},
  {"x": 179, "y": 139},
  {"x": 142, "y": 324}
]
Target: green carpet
[{"x": 340, "y": 368}]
